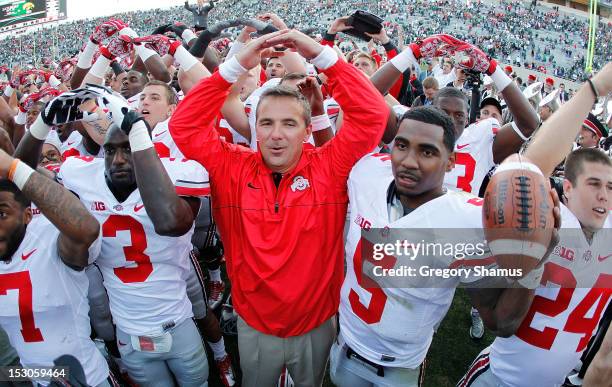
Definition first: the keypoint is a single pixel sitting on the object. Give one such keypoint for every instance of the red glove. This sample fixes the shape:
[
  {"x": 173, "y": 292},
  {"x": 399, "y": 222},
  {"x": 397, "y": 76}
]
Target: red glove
[
  {"x": 436, "y": 45},
  {"x": 22, "y": 78},
  {"x": 159, "y": 43},
  {"x": 3, "y": 69},
  {"x": 48, "y": 91},
  {"x": 117, "y": 47},
  {"x": 477, "y": 60},
  {"x": 106, "y": 30},
  {"x": 29, "y": 102},
  {"x": 64, "y": 70}
]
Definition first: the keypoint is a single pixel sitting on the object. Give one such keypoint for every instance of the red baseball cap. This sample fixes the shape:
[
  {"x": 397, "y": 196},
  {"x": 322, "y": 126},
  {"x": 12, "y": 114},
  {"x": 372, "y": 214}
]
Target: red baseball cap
[
  {"x": 508, "y": 68},
  {"x": 550, "y": 81},
  {"x": 532, "y": 77}
]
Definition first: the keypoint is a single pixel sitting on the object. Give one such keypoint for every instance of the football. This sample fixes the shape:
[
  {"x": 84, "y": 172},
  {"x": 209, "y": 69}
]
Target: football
[{"x": 518, "y": 214}]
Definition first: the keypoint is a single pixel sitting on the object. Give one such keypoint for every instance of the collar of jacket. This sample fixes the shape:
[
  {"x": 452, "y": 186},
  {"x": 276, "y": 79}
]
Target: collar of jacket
[{"x": 304, "y": 160}]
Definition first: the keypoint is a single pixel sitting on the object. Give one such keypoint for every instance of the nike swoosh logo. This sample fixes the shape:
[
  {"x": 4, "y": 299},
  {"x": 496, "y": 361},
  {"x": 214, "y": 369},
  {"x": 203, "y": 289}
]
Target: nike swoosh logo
[
  {"x": 250, "y": 185},
  {"x": 138, "y": 208},
  {"x": 121, "y": 344},
  {"x": 602, "y": 258},
  {"x": 462, "y": 146},
  {"x": 159, "y": 134},
  {"x": 26, "y": 256},
  {"x": 70, "y": 143}
]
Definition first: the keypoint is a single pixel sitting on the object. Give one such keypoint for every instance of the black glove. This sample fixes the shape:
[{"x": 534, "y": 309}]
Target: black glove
[
  {"x": 261, "y": 27},
  {"x": 161, "y": 29},
  {"x": 64, "y": 109},
  {"x": 199, "y": 47},
  {"x": 178, "y": 28}
]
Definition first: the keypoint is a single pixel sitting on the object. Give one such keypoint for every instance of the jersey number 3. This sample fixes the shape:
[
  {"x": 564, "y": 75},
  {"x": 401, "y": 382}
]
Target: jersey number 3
[
  {"x": 23, "y": 284},
  {"x": 134, "y": 253}
]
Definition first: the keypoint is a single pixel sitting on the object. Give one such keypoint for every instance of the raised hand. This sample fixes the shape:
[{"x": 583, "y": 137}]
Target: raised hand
[
  {"x": 106, "y": 30},
  {"x": 250, "y": 56},
  {"x": 339, "y": 25},
  {"x": 476, "y": 60},
  {"x": 274, "y": 19},
  {"x": 309, "y": 87},
  {"x": 64, "y": 109},
  {"x": 118, "y": 47},
  {"x": 437, "y": 45},
  {"x": 296, "y": 41},
  {"x": 159, "y": 43}
]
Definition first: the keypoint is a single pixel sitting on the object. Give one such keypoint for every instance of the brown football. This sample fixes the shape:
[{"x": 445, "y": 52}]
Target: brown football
[{"x": 517, "y": 214}]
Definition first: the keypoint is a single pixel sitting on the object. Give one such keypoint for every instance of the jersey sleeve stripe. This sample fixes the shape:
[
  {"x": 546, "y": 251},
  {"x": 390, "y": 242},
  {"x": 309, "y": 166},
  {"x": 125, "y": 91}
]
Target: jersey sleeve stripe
[{"x": 185, "y": 191}]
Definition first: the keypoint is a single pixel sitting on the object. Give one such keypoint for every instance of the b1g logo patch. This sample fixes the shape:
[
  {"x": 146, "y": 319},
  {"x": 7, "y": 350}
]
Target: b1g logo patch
[{"x": 299, "y": 184}]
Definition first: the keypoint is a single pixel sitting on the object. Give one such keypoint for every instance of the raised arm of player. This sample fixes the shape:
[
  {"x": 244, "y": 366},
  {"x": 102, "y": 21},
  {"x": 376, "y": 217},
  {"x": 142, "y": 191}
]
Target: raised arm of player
[
  {"x": 192, "y": 124},
  {"x": 554, "y": 139},
  {"x": 171, "y": 214},
  {"x": 78, "y": 228},
  {"x": 511, "y": 136}
]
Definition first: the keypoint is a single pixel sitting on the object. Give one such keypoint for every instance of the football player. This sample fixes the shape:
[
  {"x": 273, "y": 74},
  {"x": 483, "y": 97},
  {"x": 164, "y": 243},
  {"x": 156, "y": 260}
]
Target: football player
[
  {"x": 43, "y": 292},
  {"x": 385, "y": 333},
  {"x": 576, "y": 282}
]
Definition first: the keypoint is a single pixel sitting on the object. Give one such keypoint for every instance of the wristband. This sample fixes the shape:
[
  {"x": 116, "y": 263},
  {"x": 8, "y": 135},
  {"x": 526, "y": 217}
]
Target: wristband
[
  {"x": 518, "y": 131},
  {"x": 39, "y": 130},
  {"x": 188, "y": 35},
  {"x": 236, "y": 47},
  {"x": 143, "y": 52},
  {"x": 54, "y": 82},
  {"x": 8, "y": 91},
  {"x": 86, "y": 55},
  {"x": 117, "y": 69},
  {"x": 389, "y": 46},
  {"x": 231, "y": 69},
  {"x": 500, "y": 79},
  {"x": 20, "y": 118},
  {"x": 99, "y": 68},
  {"x": 184, "y": 58},
  {"x": 329, "y": 37},
  {"x": 139, "y": 137},
  {"x": 19, "y": 173},
  {"x": 593, "y": 88},
  {"x": 532, "y": 280},
  {"x": 128, "y": 31},
  {"x": 326, "y": 58},
  {"x": 320, "y": 122},
  {"x": 404, "y": 60}
]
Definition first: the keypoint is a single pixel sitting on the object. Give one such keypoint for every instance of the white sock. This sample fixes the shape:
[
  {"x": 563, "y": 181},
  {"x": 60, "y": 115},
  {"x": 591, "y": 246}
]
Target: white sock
[
  {"x": 218, "y": 349},
  {"x": 215, "y": 275}
]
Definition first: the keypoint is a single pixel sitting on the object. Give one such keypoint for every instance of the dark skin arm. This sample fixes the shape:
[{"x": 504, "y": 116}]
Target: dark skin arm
[
  {"x": 171, "y": 214},
  {"x": 78, "y": 75},
  {"x": 507, "y": 141},
  {"x": 154, "y": 65},
  {"x": 29, "y": 150},
  {"x": 78, "y": 228}
]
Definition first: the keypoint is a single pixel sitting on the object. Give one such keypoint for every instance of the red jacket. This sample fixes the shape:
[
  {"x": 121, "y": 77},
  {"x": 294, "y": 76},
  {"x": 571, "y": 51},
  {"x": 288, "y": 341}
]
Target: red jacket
[{"x": 283, "y": 247}]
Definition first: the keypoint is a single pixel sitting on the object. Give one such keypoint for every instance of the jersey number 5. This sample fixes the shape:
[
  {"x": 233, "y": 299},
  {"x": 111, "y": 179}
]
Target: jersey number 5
[
  {"x": 22, "y": 282},
  {"x": 135, "y": 252},
  {"x": 372, "y": 313}
]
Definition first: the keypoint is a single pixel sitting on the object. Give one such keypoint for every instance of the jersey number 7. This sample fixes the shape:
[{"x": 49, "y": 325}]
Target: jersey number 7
[
  {"x": 133, "y": 253},
  {"x": 22, "y": 282}
]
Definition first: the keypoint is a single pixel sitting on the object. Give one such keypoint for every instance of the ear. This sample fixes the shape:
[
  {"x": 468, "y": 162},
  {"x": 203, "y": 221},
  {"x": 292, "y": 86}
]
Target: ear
[
  {"x": 171, "y": 109},
  {"x": 27, "y": 215},
  {"x": 567, "y": 187},
  {"x": 451, "y": 162},
  {"x": 308, "y": 132}
]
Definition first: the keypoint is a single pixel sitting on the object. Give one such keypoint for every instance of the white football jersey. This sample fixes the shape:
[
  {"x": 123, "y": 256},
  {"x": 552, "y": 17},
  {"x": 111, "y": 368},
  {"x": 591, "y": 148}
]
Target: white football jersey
[
  {"x": 474, "y": 157},
  {"x": 43, "y": 304},
  {"x": 561, "y": 320},
  {"x": 394, "y": 326},
  {"x": 143, "y": 271},
  {"x": 73, "y": 146}
]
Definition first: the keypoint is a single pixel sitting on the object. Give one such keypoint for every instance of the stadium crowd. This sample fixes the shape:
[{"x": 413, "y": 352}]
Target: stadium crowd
[
  {"x": 557, "y": 41},
  {"x": 155, "y": 148}
]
